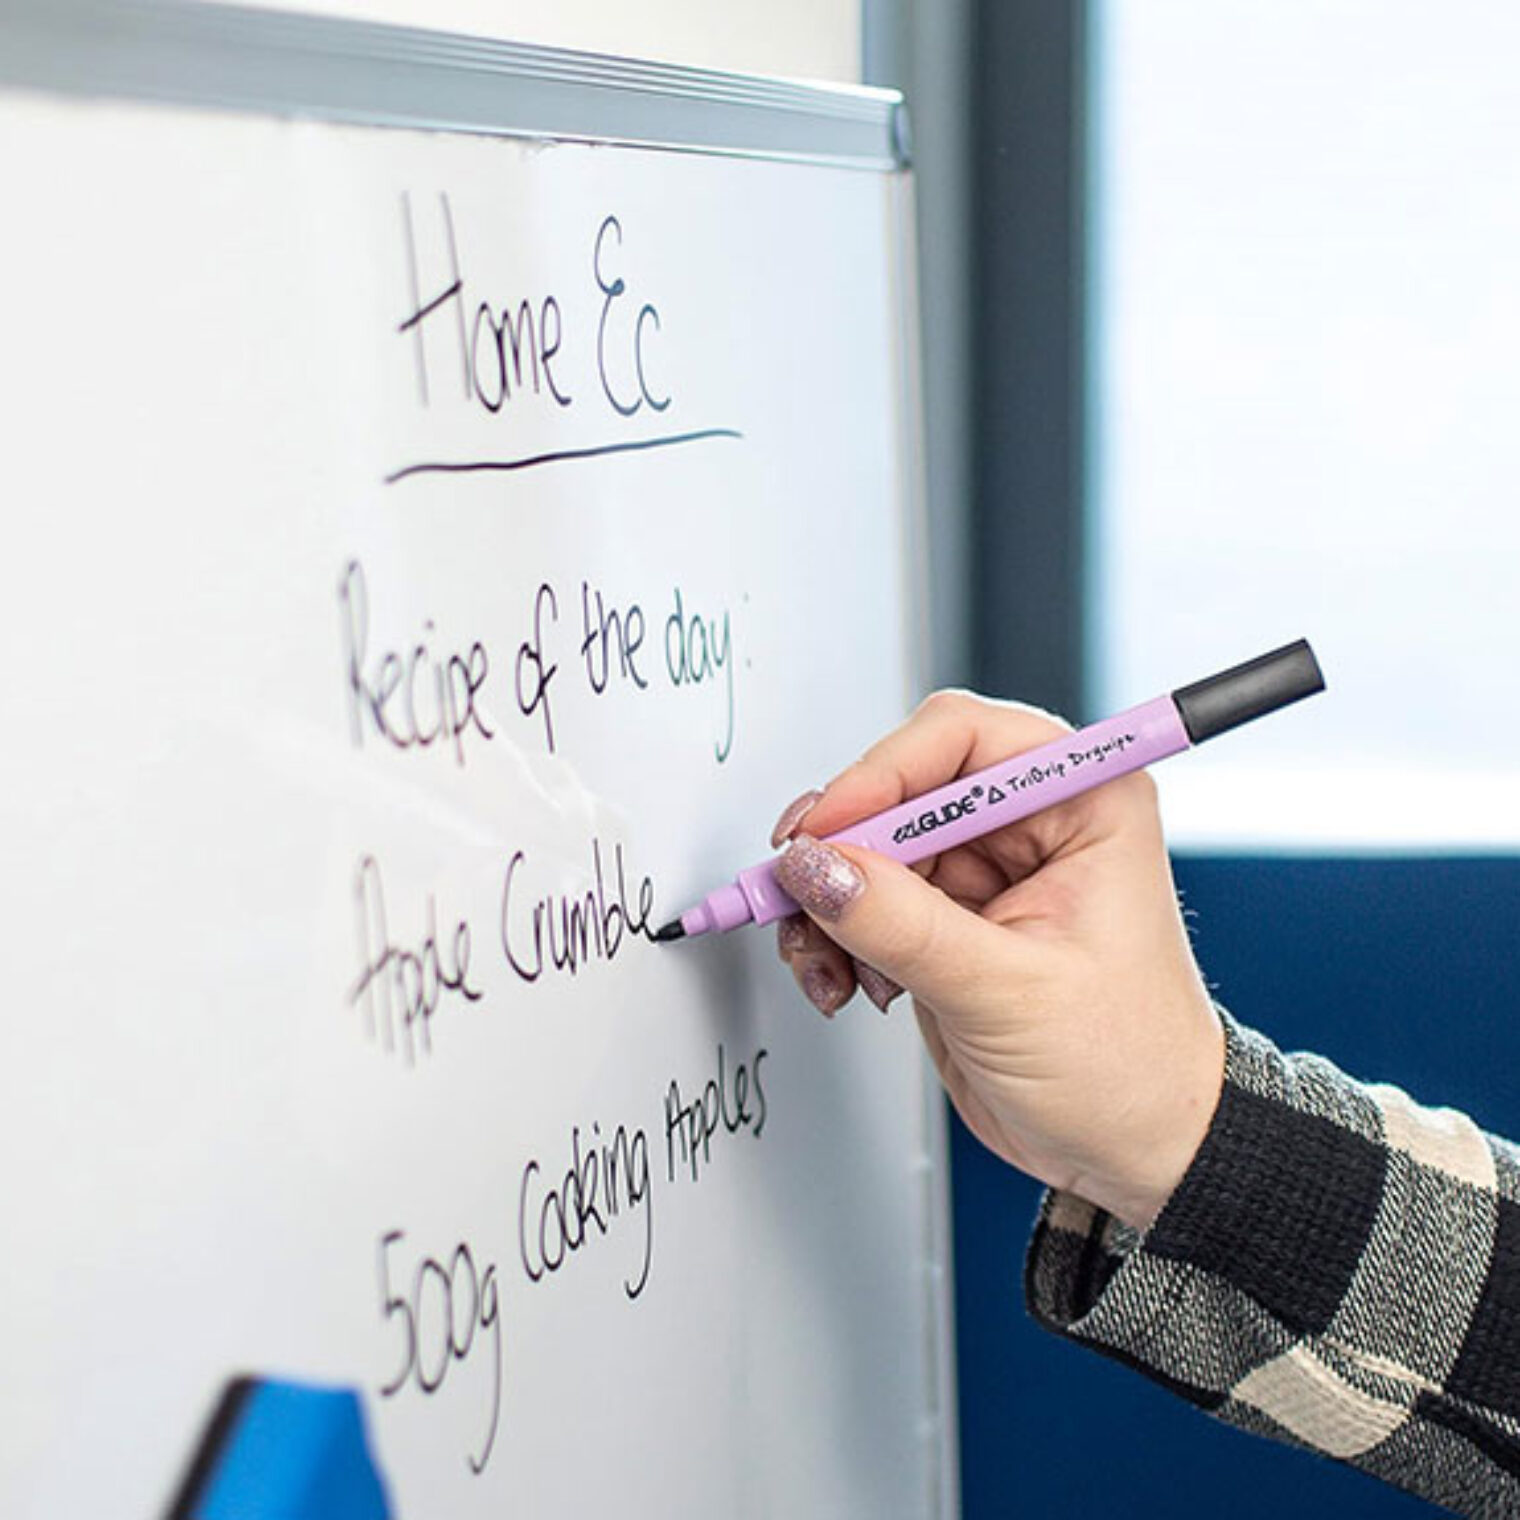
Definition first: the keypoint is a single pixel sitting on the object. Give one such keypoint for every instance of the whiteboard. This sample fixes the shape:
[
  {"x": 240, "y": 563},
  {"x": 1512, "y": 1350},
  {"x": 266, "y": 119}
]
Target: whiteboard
[{"x": 432, "y": 560}]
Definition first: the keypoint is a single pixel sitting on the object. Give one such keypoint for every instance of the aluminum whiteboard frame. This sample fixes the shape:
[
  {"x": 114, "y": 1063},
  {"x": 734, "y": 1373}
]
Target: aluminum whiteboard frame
[
  {"x": 275, "y": 63},
  {"x": 278, "y": 63}
]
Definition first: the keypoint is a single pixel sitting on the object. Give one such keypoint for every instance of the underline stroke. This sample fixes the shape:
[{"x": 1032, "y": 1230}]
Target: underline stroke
[{"x": 559, "y": 456}]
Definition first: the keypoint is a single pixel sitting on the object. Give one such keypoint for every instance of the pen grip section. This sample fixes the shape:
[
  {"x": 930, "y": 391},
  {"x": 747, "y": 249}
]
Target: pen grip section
[{"x": 1040, "y": 778}]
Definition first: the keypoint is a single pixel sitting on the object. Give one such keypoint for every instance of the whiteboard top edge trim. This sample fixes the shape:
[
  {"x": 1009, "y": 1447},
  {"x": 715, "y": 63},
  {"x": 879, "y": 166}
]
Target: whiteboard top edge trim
[{"x": 289, "y": 63}]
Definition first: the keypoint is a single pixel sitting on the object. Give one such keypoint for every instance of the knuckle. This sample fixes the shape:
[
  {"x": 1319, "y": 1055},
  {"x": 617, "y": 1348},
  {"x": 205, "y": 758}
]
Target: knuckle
[{"x": 949, "y": 703}]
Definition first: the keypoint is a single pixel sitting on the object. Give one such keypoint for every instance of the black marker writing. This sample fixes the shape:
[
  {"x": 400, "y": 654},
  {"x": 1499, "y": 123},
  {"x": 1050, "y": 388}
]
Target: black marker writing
[
  {"x": 512, "y": 465},
  {"x": 573, "y": 928},
  {"x": 413, "y": 696},
  {"x": 439, "y": 1320},
  {"x": 610, "y": 633},
  {"x": 400, "y": 989},
  {"x": 517, "y": 351},
  {"x": 535, "y": 671},
  {"x": 445, "y": 294},
  {"x": 604, "y": 1178},
  {"x": 505, "y": 351},
  {"x": 699, "y": 649},
  {"x": 515, "y": 346},
  {"x": 624, "y": 399},
  {"x": 691, "y": 1125}
]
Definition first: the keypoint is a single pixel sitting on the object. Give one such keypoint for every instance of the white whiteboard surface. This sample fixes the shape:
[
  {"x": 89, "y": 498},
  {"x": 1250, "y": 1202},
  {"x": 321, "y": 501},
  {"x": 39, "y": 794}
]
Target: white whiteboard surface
[{"x": 220, "y": 1153}]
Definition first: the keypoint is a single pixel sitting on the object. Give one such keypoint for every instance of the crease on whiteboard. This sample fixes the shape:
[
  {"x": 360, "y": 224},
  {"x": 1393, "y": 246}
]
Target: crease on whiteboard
[{"x": 505, "y": 791}]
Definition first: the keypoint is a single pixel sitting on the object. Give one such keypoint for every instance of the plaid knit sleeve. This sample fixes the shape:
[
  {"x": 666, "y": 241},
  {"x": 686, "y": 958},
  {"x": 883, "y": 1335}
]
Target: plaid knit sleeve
[{"x": 1340, "y": 1268}]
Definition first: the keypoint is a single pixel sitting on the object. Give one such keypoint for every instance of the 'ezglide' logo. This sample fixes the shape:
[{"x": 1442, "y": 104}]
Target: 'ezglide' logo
[{"x": 948, "y": 812}]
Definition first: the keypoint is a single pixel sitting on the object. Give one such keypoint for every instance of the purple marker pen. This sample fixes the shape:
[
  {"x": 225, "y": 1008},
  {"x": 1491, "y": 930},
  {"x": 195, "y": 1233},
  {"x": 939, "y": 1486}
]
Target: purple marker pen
[{"x": 1039, "y": 778}]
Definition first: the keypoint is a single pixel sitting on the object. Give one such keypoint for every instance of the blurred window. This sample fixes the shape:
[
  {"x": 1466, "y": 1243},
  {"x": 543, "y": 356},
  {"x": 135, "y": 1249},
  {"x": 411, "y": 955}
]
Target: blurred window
[{"x": 1305, "y": 264}]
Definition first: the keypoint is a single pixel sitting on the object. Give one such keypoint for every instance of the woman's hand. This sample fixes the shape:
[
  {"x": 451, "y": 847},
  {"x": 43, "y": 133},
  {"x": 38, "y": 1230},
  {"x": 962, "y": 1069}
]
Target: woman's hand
[{"x": 1049, "y": 968}]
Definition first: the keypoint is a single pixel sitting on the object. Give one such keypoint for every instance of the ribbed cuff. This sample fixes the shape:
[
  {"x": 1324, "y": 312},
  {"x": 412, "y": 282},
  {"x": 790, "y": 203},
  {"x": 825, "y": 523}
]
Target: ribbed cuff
[{"x": 1279, "y": 1200}]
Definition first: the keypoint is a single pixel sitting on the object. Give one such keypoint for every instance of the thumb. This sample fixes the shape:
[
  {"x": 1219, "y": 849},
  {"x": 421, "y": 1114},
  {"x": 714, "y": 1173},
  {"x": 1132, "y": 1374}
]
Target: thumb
[{"x": 891, "y": 918}]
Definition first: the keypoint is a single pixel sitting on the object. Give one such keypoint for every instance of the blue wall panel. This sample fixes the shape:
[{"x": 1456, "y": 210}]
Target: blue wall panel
[{"x": 1400, "y": 970}]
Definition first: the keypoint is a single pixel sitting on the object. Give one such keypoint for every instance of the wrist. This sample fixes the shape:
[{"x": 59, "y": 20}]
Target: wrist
[{"x": 1160, "y": 1148}]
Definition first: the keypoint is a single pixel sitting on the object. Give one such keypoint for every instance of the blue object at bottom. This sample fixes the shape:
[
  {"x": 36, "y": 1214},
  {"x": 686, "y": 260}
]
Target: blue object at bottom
[{"x": 295, "y": 1453}]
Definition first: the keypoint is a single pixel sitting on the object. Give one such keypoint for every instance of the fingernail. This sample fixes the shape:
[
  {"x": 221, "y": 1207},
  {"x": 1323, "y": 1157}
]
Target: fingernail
[
  {"x": 818, "y": 878},
  {"x": 823, "y": 990},
  {"x": 880, "y": 989},
  {"x": 792, "y": 815},
  {"x": 792, "y": 933}
]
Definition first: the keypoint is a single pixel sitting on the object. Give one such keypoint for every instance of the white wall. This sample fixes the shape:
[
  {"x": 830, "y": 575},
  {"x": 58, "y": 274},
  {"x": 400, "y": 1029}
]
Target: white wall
[{"x": 804, "y": 39}]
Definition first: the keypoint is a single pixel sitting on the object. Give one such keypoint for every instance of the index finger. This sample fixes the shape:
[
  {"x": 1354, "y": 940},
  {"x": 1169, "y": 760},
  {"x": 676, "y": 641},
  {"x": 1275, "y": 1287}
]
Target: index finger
[{"x": 950, "y": 734}]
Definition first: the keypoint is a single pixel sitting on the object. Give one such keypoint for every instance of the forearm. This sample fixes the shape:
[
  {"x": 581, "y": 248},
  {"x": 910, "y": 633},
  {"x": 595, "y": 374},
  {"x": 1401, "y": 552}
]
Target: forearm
[{"x": 1339, "y": 1268}]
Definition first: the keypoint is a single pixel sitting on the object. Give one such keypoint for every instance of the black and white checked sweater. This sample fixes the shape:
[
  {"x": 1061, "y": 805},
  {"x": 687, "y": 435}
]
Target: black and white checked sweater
[{"x": 1340, "y": 1268}]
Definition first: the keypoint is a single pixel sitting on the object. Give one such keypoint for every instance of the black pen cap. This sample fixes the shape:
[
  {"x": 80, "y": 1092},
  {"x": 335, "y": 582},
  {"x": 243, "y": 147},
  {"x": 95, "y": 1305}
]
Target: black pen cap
[{"x": 1260, "y": 686}]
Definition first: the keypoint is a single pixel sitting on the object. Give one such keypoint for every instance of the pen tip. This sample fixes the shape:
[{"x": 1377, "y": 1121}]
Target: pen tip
[{"x": 668, "y": 932}]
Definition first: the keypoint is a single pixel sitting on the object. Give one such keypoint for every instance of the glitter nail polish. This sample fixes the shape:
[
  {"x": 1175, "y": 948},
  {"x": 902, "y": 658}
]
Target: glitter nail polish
[
  {"x": 792, "y": 933},
  {"x": 879, "y": 988},
  {"x": 818, "y": 878},
  {"x": 823, "y": 990},
  {"x": 792, "y": 815}
]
